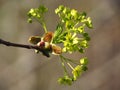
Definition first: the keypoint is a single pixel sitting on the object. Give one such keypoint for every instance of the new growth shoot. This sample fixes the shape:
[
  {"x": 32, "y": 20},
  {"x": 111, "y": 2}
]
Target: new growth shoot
[{"x": 70, "y": 33}]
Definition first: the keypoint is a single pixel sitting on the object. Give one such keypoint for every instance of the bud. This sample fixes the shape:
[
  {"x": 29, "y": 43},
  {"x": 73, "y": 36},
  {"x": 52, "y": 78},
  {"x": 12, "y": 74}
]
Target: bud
[
  {"x": 48, "y": 37},
  {"x": 34, "y": 39},
  {"x": 84, "y": 61}
]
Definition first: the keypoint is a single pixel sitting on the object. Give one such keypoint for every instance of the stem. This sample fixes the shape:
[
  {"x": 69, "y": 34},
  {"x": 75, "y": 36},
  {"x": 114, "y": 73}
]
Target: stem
[
  {"x": 70, "y": 60},
  {"x": 24, "y": 46},
  {"x": 42, "y": 23},
  {"x": 44, "y": 27},
  {"x": 63, "y": 65},
  {"x": 70, "y": 66}
]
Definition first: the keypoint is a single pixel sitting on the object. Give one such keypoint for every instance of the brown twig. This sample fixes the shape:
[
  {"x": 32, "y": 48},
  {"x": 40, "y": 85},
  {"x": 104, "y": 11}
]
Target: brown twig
[{"x": 46, "y": 53}]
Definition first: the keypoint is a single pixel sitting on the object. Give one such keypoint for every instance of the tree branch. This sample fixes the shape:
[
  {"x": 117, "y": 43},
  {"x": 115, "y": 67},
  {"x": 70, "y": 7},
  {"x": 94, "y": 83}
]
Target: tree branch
[{"x": 25, "y": 46}]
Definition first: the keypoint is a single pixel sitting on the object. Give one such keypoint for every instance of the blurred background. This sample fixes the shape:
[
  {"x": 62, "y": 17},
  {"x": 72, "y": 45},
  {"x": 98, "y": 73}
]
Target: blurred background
[{"x": 22, "y": 69}]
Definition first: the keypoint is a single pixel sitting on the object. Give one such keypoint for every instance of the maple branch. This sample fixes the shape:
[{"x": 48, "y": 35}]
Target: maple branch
[{"x": 25, "y": 46}]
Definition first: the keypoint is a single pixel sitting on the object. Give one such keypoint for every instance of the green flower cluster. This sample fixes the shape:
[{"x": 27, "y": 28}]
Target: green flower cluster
[
  {"x": 37, "y": 14},
  {"x": 65, "y": 80},
  {"x": 70, "y": 30},
  {"x": 76, "y": 71},
  {"x": 80, "y": 68}
]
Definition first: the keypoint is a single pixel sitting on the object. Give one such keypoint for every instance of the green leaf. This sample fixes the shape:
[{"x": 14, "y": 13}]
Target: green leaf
[{"x": 57, "y": 33}]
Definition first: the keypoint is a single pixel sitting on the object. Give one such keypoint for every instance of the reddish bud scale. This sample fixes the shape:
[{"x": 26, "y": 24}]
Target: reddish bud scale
[{"x": 48, "y": 37}]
